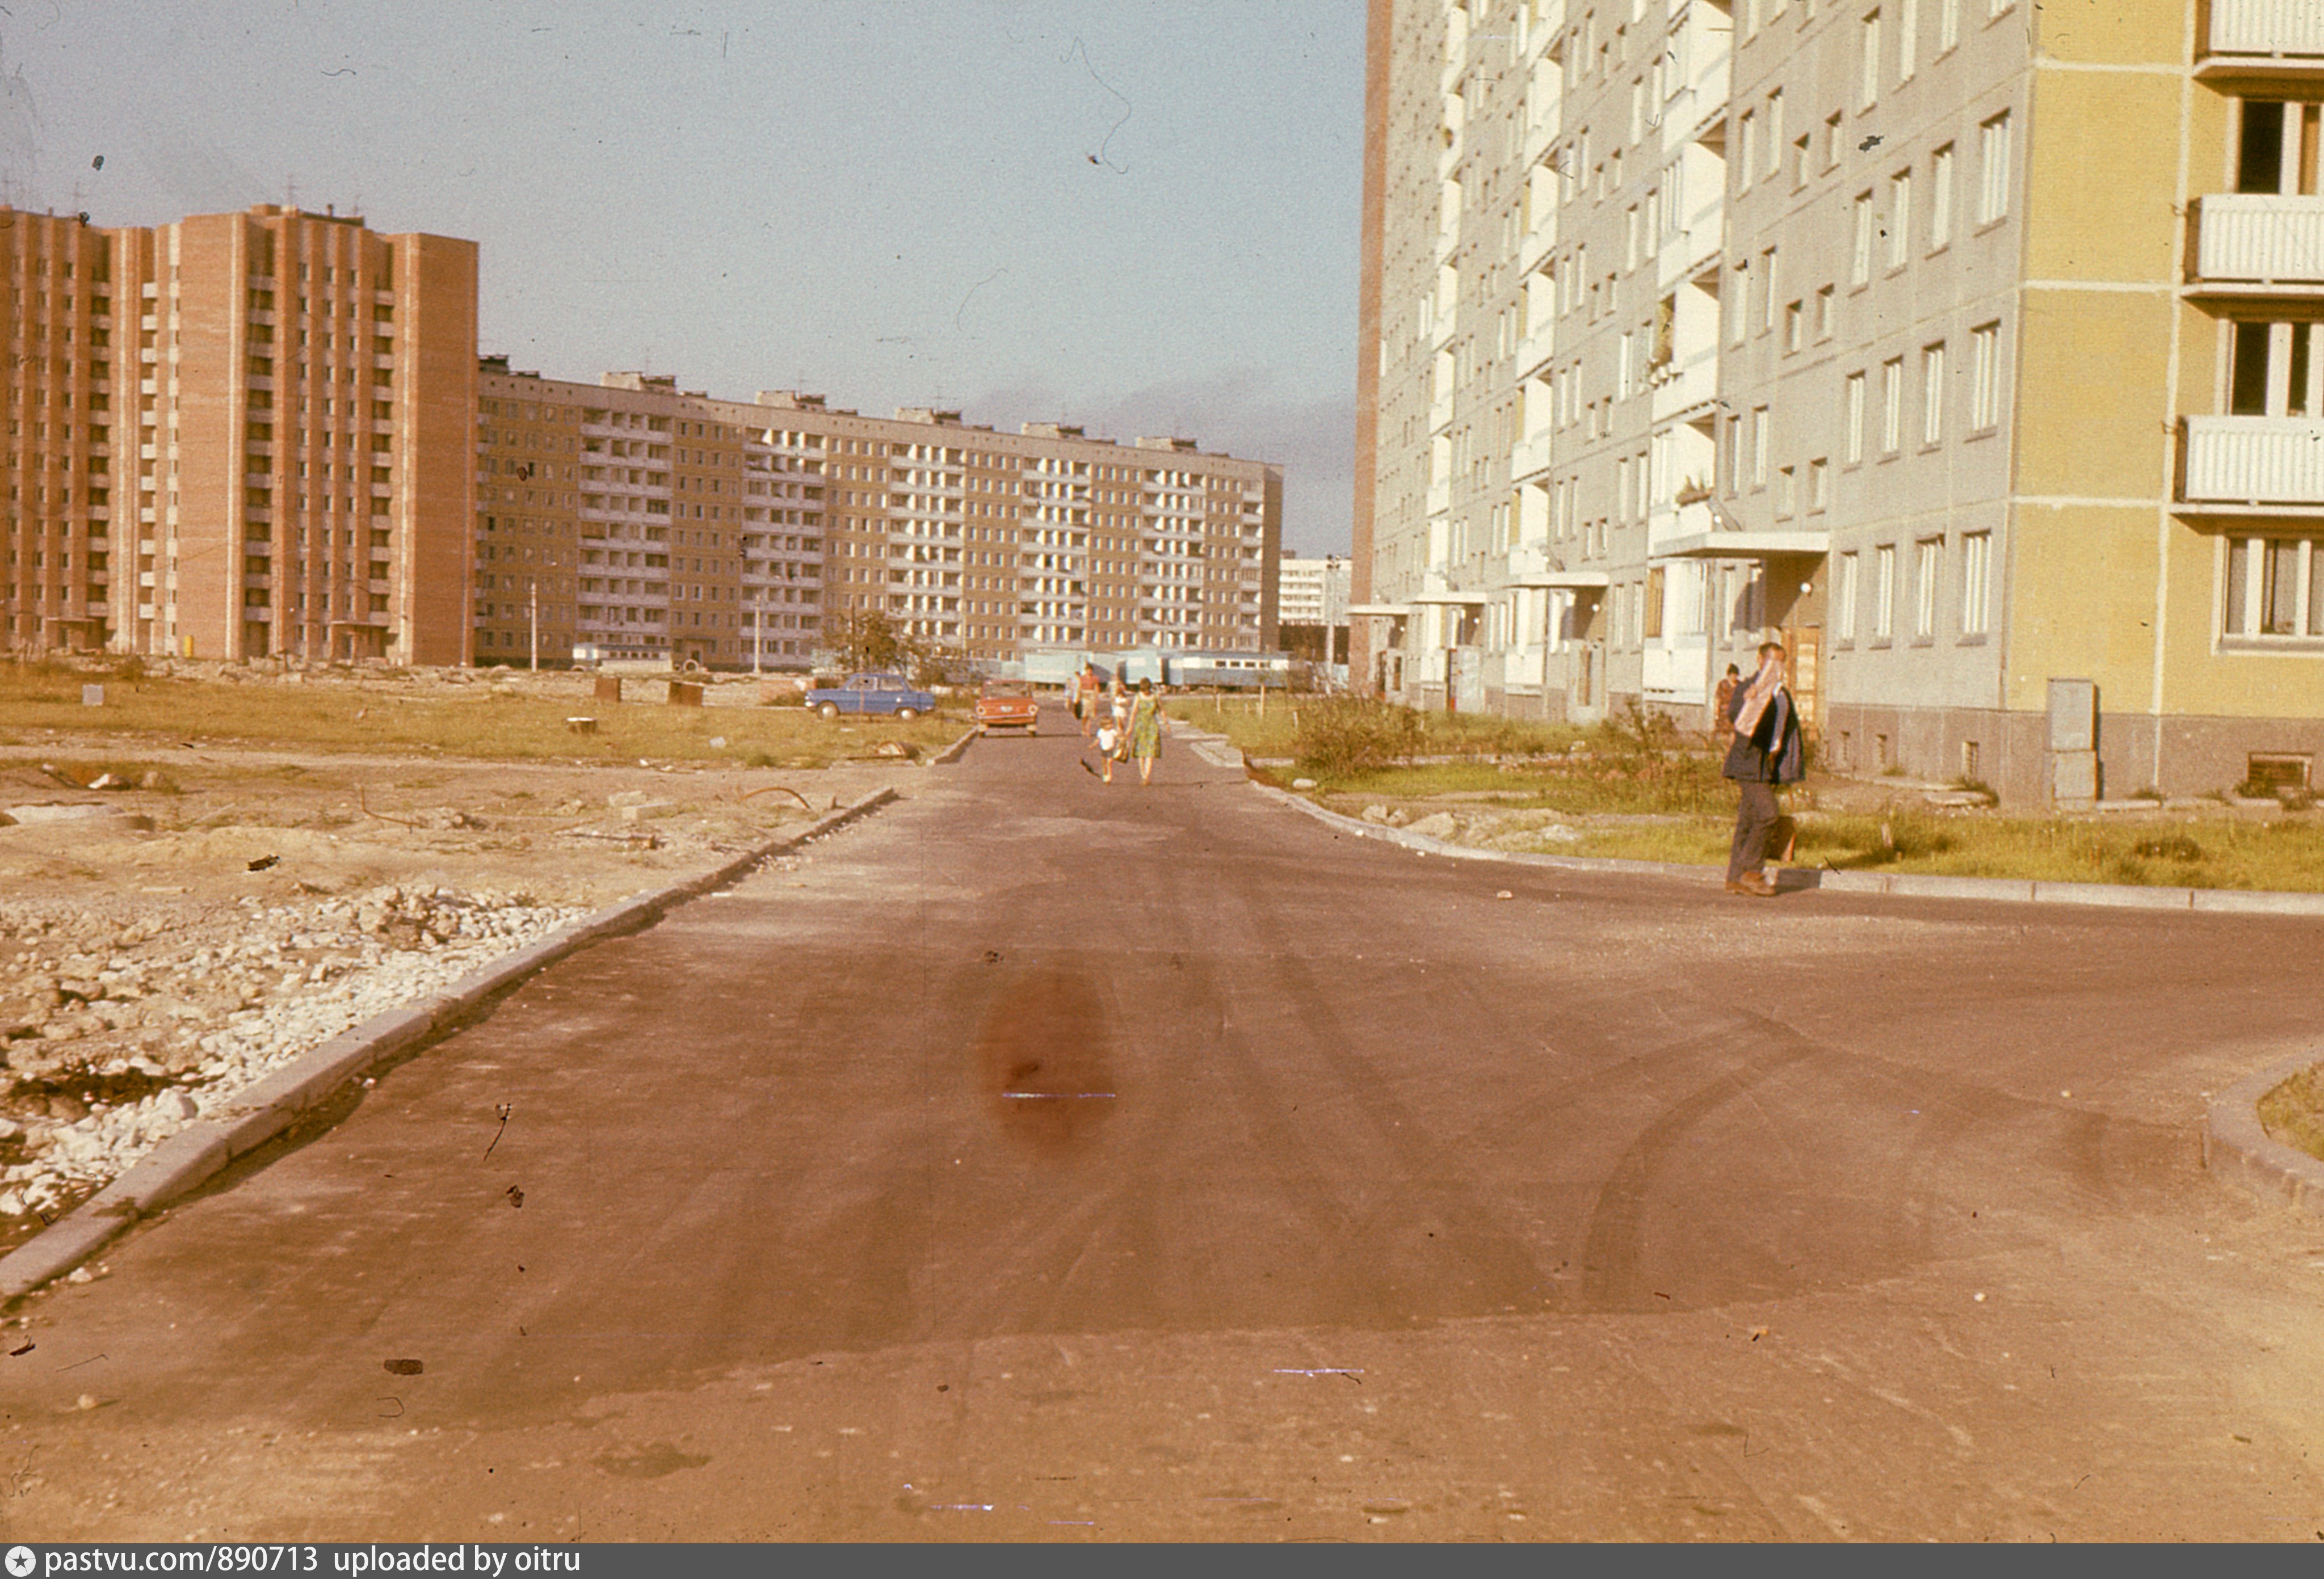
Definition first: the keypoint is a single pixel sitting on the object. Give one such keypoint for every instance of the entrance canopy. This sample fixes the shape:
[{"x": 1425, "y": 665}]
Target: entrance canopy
[
  {"x": 1747, "y": 544},
  {"x": 1568, "y": 580}
]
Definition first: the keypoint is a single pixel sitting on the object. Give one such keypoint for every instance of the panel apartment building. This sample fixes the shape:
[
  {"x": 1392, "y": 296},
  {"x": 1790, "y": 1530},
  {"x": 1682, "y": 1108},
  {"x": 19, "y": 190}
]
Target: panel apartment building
[
  {"x": 237, "y": 435},
  {"x": 1965, "y": 346},
  {"x": 632, "y": 519}
]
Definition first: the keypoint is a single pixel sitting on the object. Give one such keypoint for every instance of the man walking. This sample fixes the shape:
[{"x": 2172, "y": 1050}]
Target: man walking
[
  {"x": 1766, "y": 752},
  {"x": 1086, "y": 696}
]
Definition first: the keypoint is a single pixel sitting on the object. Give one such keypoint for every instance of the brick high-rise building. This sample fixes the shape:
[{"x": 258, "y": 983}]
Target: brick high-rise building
[{"x": 238, "y": 435}]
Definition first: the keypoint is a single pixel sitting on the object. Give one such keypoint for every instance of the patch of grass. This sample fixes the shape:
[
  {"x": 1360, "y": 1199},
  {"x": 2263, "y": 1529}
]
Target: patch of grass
[
  {"x": 1278, "y": 731},
  {"x": 1680, "y": 782},
  {"x": 2293, "y": 1112},
  {"x": 1676, "y": 808},
  {"x": 1269, "y": 734},
  {"x": 469, "y": 723}
]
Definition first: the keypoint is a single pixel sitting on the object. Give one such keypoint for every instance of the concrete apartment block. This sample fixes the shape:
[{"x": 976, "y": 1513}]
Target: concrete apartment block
[
  {"x": 238, "y": 435},
  {"x": 997, "y": 544},
  {"x": 1312, "y": 592},
  {"x": 1961, "y": 345},
  {"x": 629, "y": 519},
  {"x": 644, "y": 522}
]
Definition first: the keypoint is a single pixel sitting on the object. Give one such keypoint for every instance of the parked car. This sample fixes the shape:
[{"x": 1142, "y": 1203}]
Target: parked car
[
  {"x": 1008, "y": 705},
  {"x": 871, "y": 692}
]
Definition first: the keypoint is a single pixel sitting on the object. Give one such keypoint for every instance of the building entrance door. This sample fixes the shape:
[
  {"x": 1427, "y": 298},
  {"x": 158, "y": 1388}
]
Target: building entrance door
[{"x": 1803, "y": 657}]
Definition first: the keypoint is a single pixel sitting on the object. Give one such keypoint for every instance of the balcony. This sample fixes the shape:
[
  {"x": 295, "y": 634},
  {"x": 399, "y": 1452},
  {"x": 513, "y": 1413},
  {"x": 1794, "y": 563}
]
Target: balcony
[
  {"x": 2254, "y": 461},
  {"x": 2268, "y": 28},
  {"x": 2260, "y": 239},
  {"x": 1531, "y": 454}
]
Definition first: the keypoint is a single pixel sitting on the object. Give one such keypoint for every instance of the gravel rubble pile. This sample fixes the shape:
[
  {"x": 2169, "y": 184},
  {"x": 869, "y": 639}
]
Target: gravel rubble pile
[{"x": 120, "y": 1030}]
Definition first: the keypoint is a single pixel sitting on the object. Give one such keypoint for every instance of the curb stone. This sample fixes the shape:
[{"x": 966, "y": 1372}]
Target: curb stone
[
  {"x": 1900, "y": 885},
  {"x": 262, "y": 1111},
  {"x": 2237, "y": 1151},
  {"x": 954, "y": 752}
]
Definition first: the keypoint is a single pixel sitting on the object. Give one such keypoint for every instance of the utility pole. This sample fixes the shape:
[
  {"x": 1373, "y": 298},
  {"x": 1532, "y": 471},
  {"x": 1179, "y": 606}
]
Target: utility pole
[{"x": 532, "y": 596}]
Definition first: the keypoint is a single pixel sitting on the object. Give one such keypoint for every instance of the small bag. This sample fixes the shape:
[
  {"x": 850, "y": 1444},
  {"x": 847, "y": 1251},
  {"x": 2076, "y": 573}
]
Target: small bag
[{"x": 1783, "y": 835}]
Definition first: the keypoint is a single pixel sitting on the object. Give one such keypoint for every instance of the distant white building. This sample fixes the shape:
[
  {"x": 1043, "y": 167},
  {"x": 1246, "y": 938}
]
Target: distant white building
[{"x": 1312, "y": 592}]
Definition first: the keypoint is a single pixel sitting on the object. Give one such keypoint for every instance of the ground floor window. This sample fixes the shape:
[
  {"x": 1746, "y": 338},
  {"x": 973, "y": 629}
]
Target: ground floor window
[{"x": 2274, "y": 589}]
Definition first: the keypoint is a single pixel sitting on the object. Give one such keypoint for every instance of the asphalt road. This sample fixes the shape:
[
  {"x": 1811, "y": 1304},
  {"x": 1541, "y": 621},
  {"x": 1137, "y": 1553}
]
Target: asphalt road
[{"x": 1040, "y": 1160}]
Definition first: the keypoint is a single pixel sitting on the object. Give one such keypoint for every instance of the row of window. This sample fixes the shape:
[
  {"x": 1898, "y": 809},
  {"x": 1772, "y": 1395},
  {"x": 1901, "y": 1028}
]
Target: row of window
[{"x": 1852, "y": 590}]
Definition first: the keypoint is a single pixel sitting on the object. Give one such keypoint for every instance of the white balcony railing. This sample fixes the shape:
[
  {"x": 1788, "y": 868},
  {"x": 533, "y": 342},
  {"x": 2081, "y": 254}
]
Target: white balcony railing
[
  {"x": 2267, "y": 27},
  {"x": 2260, "y": 237},
  {"x": 2254, "y": 460},
  {"x": 1531, "y": 453}
]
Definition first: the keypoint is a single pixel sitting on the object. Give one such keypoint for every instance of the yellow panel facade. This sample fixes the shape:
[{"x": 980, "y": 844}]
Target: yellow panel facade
[
  {"x": 2120, "y": 225},
  {"x": 2082, "y": 582},
  {"x": 2111, "y": 33},
  {"x": 2090, "y": 394}
]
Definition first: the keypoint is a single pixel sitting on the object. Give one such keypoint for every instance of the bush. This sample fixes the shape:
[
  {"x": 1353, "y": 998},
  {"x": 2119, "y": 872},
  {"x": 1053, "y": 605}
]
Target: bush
[{"x": 1342, "y": 735}]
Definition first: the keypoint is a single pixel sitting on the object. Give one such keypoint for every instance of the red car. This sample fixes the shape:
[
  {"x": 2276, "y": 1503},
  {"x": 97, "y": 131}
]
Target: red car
[{"x": 1008, "y": 705}]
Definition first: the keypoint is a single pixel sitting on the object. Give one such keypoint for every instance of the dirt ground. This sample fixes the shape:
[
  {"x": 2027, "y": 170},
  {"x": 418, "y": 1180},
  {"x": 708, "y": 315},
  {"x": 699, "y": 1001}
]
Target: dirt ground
[{"x": 154, "y": 900}]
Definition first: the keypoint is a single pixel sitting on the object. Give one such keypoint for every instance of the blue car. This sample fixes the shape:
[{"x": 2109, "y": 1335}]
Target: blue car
[{"x": 871, "y": 692}]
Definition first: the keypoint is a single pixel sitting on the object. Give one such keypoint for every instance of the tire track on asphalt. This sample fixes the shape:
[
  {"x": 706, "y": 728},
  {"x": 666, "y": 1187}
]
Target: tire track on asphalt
[{"x": 1484, "y": 1249}]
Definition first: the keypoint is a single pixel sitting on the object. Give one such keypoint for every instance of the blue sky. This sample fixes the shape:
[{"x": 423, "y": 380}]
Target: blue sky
[{"x": 1137, "y": 217}]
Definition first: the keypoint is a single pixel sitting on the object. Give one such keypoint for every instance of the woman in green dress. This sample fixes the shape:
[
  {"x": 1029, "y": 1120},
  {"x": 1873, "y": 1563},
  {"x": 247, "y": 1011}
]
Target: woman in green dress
[{"x": 1145, "y": 730}]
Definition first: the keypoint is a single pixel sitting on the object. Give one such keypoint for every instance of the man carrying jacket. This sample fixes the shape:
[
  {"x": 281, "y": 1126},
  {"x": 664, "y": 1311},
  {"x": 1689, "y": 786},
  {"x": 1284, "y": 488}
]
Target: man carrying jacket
[{"x": 1766, "y": 752}]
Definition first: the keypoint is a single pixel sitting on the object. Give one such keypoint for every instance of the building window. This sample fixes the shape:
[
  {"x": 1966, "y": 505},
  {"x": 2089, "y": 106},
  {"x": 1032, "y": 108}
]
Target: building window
[
  {"x": 1928, "y": 560},
  {"x": 1787, "y": 497},
  {"x": 1993, "y": 170},
  {"x": 1819, "y": 483},
  {"x": 1985, "y": 377},
  {"x": 1832, "y": 141},
  {"x": 1977, "y": 568},
  {"x": 1847, "y": 592},
  {"x": 1900, "y": 217},
  {"x": 2273, "y": 588},
  {"x": 1884, "y": 592},
  {"x": 1941, "y": 199},
  {"x": 1774, "y": 130},
  {"x": 1795, "y": 322},
  {"x": 1746, "y": 141},
  {"x": 1892, "y": 405},
  {"x": 2276, "y": 148},
  {"x": 1859, "y": 256},
  {"x": 1759, "y": 442},
  {"x": 1827, "y": 313},
  {"x": 2273, "y": 370},
  {"x": 1768, "y": 288},
  {"x": 1947, "y": 26},
  {"x": 1933, "y": 393},
  {"x": 1908, "y": 27},
  {"x": 1868, "y": 72},
  {"x": 1855, "y": 450}
]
